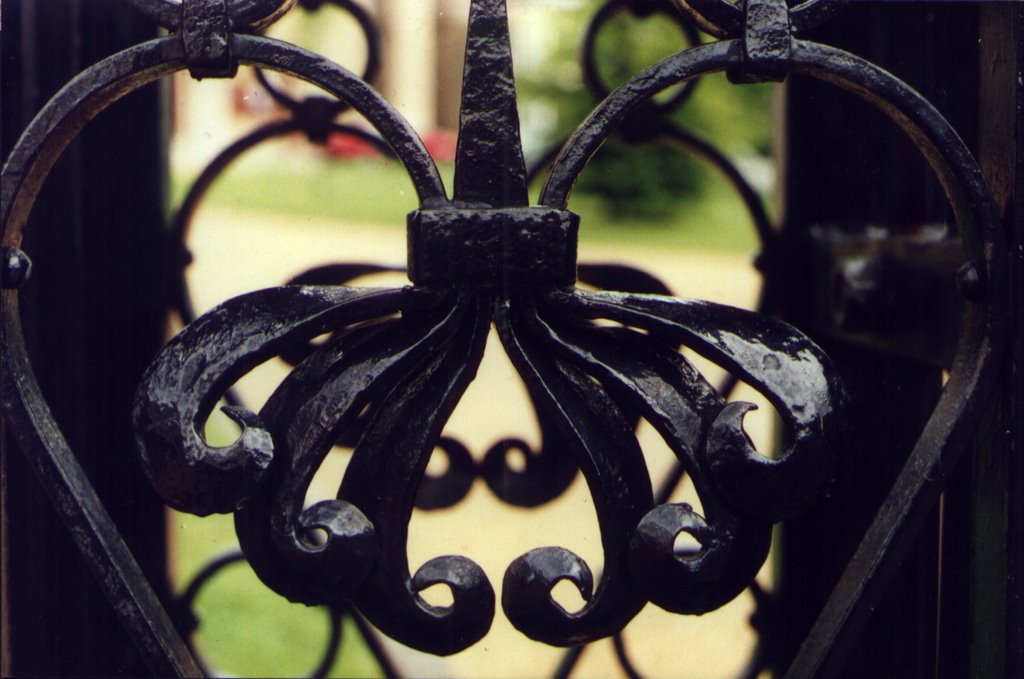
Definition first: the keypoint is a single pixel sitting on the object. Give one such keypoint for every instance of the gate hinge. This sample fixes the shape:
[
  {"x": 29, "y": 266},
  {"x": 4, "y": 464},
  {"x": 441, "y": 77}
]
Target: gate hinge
[{"x": 900, "y": 294}]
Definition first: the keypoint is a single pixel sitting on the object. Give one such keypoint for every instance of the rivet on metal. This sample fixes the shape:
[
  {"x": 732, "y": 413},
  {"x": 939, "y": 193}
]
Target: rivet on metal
[
  {"x": 968, "y": 281},
  {"x": 857, "y": 294},
  {"x": 17, "y": 268}
]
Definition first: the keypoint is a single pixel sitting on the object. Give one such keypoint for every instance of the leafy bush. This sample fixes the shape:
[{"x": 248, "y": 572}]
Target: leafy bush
[{"x": 650, "y": 180}]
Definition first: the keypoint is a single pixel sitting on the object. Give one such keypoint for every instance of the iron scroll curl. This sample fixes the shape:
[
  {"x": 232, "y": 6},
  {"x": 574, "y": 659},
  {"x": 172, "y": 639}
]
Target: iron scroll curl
[
  {"x": 101, "y": 85},
  {"x": 963, "y": 184},
  {"x": 32, "y": 423},
  {"x": 487, "y": 255},
  {"x": 982, "y": 279}
]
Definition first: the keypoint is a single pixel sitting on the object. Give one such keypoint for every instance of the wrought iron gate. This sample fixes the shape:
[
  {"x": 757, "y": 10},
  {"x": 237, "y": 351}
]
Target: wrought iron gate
[{"x": 870, "y": 489}]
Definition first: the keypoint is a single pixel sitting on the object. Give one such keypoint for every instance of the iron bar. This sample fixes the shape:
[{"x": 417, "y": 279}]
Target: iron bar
[{"x": 29, "y": 420}]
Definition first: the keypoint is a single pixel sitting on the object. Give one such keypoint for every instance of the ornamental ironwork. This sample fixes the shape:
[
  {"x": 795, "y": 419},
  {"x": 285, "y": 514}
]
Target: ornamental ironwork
[
  {"x": 397, "y": 364},
  {"x": 397, "y": 361}
]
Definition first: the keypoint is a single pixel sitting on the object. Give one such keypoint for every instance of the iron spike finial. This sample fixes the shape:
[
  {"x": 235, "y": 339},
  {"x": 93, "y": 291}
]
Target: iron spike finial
[{"x": 489, "y": 166}]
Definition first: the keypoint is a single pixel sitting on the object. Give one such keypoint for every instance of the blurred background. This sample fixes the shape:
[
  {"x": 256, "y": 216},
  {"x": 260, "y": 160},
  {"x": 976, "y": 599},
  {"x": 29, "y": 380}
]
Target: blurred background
[{"x": 292, "y": 203}]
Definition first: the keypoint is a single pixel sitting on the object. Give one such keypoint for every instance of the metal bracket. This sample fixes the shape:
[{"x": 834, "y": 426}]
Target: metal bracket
[
  {"x": 473, "y": 248},
  {"x": 206, "y": 37},
  {"x": 902, "y": 295},
  {"x": 767, "y": 42}
]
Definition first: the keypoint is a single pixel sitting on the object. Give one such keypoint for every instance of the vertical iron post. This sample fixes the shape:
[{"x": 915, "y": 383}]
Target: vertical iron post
[
  {"x": 954, "y": 609},
  {"x": 995, "y": 554},
  {"x": 94, "y": 313}
]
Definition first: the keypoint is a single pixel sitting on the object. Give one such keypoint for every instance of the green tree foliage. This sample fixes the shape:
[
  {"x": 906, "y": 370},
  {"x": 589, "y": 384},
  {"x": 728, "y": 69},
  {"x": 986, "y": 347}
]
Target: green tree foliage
[{"x": 642, "y": 181}]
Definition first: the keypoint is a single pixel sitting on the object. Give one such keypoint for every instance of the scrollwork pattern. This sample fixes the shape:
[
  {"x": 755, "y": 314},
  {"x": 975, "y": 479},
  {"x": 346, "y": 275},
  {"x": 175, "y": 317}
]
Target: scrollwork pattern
[
  {"x": 396, "y": 363},
  {"x": 399, "y": 360}
]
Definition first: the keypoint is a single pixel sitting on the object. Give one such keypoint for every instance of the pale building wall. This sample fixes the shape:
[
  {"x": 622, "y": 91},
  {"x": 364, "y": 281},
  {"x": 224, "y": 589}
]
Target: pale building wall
[
  {"x": 422, "y": 44},
  {"x": 409, "y": 56}
]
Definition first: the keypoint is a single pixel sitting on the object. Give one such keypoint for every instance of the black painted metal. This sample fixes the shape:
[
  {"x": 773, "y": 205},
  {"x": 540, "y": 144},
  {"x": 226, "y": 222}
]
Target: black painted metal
[
  {"x": 892, "y": 251},
  {"x": 891, "y": 96},
  {"x": 912, "y": 498},
  {"x": 1008, "y": 25},
  {"x": 647, "y": 124},
  {"x": 92, "y": 317},
  {"x": 398, "y": 361},
  {"x": 487, "y": 255},
  {"x": 547, "y": 472}
]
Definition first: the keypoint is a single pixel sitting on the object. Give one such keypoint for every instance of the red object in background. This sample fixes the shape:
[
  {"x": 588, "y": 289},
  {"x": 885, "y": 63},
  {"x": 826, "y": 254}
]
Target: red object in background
[
  {"x": 348, "y": 146},
  {"x": 440, "y": 144}
]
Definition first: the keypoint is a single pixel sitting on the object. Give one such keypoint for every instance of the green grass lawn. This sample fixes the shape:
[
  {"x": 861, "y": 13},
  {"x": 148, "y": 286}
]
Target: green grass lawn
[
  {"x": 375, "y": 191},
  {"x": 246, "y": 629}
]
